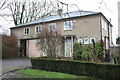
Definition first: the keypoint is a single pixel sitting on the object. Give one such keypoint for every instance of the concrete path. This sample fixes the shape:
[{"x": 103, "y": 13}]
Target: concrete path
[{"x": 13, "y": 64}]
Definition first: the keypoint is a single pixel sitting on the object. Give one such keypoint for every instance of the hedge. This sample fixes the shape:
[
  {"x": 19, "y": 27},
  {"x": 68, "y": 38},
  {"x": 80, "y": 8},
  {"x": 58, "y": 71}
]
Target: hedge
[{"x": 99, "y": 70}]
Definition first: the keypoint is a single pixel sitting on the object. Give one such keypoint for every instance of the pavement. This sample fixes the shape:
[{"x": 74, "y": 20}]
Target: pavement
[{"x": 15, "y": 64}]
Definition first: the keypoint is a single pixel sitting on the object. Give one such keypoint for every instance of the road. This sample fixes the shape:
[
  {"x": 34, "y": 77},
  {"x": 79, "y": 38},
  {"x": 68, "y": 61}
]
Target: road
[{"x": 13, "y": 64}]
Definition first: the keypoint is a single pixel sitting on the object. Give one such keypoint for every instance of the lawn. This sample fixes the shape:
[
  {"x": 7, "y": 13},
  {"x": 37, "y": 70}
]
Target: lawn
[{"x": 31, "y": 73}]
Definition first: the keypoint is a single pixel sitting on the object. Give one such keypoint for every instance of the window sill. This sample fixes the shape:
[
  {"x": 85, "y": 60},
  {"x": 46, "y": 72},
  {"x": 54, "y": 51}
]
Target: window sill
[
  {"x": 67, "y": 29},
  {"x": 26, "y": 34}
]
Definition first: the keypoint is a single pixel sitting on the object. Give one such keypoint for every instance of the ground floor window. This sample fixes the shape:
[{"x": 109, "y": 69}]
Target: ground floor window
[
  {"x": 91, "y": 40},
  {"x": 80, "y": 41},
  {"x": 86, "y": 41}
]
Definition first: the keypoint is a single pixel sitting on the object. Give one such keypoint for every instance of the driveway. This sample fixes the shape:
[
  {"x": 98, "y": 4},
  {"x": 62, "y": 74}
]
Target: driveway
[{"x": 13, "y": 64}]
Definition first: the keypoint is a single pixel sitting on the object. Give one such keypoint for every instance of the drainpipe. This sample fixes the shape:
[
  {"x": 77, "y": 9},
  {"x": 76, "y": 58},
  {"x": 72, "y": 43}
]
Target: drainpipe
[
  {"x": 72, "y": 46},
  {"x": 101, "y": 31},
  {"x": 108, "y": 36},
  {"x": 101, "y": 41}
]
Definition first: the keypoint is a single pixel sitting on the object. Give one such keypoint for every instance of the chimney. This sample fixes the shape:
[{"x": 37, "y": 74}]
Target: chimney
[
  {"x": 60, "y": 11},
  {"x": 110, "y": 20}
]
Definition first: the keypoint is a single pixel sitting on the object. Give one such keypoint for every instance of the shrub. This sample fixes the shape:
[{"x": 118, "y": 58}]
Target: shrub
[
  {"x": 98, "y": 49},
  {"x": 77, "y": 51},
  {"x": 87, "y": 52},
  {"x": 4, "y": 51},
  {"x": 105, "y": 71},
  {"x": 9, "y": 47},
  {"x": 87, "y": 55}
]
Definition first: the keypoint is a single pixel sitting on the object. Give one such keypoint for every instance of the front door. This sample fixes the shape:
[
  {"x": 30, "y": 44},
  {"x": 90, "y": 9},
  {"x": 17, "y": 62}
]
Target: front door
[{"x": 68, "y": 48}]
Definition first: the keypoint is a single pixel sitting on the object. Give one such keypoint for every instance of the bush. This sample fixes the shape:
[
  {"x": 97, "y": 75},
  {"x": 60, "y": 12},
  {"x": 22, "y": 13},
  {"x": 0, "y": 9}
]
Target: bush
[
  {"x": 87, "y": 52},
  {"x": 4, "y": 52},
  {"x": 82, "y": 52},
  {"x": 98, "y": 50},
  {"x": 77, "y": 51},
  {"x": 105, "y": 71},
  {"x": 9, "y": 47},
  {"x": 87, "y": 55}
]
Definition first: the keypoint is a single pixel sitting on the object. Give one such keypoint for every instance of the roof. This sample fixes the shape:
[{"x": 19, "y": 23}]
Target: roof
[{"x": 59, "y": 17}]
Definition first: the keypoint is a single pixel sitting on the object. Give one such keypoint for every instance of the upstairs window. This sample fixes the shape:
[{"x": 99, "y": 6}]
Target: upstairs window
[
  {"x": 104, "y": 24},
  {"x": 38, "y": 29},
  {"x": 68, "y": 25},
  {"x": 52, "y": 27},
  {"x": 26, "y": 31}
]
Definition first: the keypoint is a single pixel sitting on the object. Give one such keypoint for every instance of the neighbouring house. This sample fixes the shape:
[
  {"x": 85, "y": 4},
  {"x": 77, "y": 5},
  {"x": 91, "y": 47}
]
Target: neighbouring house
[
  {"x": 115, "y": 49},
  {"x": 76, "y": 26}
]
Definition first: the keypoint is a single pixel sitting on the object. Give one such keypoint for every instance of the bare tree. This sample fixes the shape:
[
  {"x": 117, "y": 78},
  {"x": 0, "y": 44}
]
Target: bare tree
[
  {"x": 27, "y": 11},
  {"x": 3, "y": 4},
  {"x": 50, "y": 42},
  {"x": 3, "y": 31}
]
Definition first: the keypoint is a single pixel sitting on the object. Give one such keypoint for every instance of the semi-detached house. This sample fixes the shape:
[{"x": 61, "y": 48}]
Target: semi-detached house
[{"x": 76, "y": 26}]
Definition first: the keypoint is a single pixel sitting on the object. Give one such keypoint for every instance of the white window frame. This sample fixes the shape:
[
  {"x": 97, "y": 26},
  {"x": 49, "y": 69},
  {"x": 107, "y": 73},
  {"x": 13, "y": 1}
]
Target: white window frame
[
  {"x": 104, "y": 24},
  {"x": 25, "y": 31},
  {"x": 85, "y": 41},
  {"x": 91, "y": 40},
  {"x": 80, "y": 41},
  {"x": 68, "y": 25},
  {"x": 51, "y": 25},
  {"x": 39, "y": 29}
]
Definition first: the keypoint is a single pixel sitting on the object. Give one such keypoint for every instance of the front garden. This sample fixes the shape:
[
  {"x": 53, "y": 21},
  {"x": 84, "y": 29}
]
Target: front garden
[
  {"x": 81, "y": 68},
  {"x": 32, "y": 73},
  {"x": 88, "y": 63},
  {"x": 88, "y": 60}
]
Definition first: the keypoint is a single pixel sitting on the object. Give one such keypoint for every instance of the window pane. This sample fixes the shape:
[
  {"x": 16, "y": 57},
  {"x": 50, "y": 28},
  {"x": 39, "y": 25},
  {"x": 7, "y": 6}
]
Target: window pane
[
  {"x": 40, "y": 29},
  {"x": 27, "y": 30},
  {"x": 86, "y": 41},
  {"x": 52, "y": 27},
  {"x": 80, "y": 41},
  {"x": 91, "y": 40},
  {"x": 68, "y": 25},
  {"x": 24, "y": 30},
  {"x": 36, "y": 29}
]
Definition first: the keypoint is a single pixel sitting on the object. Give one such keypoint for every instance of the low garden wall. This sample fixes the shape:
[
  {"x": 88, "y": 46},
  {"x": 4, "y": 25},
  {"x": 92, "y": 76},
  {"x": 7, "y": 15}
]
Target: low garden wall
[{"x": 99, "y": 70}]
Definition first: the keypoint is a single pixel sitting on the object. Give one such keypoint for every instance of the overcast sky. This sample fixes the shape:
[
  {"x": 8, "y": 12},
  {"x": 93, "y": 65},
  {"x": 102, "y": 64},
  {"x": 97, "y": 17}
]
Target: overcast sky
[{"x": 108, "y": 7}]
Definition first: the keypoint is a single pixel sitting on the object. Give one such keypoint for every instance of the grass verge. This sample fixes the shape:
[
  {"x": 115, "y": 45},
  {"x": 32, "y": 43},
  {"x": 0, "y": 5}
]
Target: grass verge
[{"x": 31, "y": 73}]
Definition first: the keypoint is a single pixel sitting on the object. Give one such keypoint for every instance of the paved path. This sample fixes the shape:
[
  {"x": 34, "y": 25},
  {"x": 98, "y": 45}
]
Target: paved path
[{"x": 13, "y": 64}]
